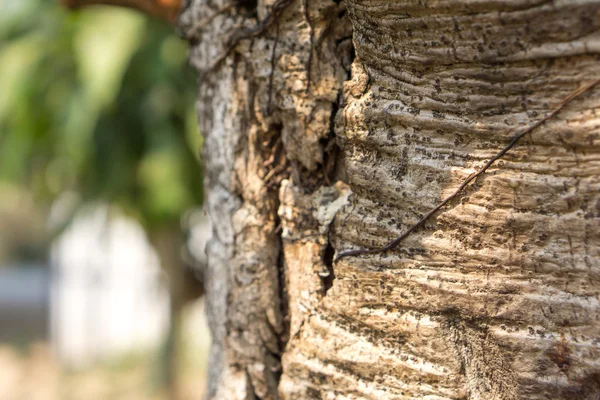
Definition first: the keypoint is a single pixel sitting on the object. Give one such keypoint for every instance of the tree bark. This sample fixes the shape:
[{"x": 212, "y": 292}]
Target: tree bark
[{"x": 496, "y": 297}]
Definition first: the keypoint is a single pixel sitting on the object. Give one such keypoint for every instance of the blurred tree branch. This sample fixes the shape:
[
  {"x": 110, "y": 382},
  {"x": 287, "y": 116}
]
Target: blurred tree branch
[{"x": 164, "y": 9}]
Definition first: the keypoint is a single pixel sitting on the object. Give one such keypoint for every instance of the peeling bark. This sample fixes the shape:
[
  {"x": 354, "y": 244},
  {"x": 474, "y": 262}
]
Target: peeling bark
[
  {"x": 496, "y": 296},
  {"x": 266, "y": 112}
]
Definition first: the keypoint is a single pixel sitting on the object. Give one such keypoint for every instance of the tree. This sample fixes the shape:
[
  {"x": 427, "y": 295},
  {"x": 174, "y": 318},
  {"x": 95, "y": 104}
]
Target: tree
[{"x": 332, "y": 126}]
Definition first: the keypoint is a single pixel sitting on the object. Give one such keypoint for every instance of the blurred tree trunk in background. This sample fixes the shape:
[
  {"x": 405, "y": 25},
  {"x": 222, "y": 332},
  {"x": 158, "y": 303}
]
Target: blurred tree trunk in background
[
  {"x": 184, "y": 288},
  {"x": 336, "y": 125},
  {"x": 168, "y": 242}
]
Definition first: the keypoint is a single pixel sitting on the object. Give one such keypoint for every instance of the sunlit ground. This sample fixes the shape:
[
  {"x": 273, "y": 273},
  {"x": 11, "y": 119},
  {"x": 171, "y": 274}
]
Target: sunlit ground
[{"x": 33, "y": 372}]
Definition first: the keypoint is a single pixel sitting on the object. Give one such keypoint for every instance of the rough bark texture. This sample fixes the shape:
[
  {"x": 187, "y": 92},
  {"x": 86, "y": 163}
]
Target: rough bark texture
[{"x": 497, "y": 296}]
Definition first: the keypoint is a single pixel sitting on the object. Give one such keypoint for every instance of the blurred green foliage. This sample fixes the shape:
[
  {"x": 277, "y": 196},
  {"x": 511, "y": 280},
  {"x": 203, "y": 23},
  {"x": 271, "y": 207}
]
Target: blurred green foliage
[{"x": 100, "y": 103}]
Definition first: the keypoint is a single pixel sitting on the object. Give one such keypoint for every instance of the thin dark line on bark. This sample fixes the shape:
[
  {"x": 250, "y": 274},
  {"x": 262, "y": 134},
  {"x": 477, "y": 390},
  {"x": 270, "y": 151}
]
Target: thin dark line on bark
[
  {"x": 249, "y": 33},
  {"x": 272, "y": 69},
  {"x": 572, "y": 96},
  {"x": 310, "y": 54}
]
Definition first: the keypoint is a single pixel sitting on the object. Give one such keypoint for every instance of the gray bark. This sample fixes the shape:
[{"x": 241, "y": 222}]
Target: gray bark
[{"x": 497, "y": 296}]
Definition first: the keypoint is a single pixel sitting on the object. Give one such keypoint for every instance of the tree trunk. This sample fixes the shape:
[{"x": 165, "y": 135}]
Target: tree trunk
[
  {"x": 496, "y": 297},
  {"x": 184, "y": 287}
]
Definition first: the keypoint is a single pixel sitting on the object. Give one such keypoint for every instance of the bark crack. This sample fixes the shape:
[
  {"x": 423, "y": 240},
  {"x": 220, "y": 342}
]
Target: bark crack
[
  {"x": 328, "y": 276},
  {"x": 273, "y": 54},
  {"x": 311, "y": 42}
]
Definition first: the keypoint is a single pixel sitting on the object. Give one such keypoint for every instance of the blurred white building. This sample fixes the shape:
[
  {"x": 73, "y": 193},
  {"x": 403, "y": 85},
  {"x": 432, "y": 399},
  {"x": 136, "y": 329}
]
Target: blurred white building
[{"x": 108, "y": 294}]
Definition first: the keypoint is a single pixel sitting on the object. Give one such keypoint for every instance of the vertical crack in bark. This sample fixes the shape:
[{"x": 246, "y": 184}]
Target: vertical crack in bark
[
  {"x": 275, "y": 163},
  {"x": 333, "y": 168},
  {"x": 281, "y": 273},
  {"x": 311, "y": 43},
  {"x": 273, "y": 54},
  {"x": 329, "y": 277},
  {"x": 283, "y": 293}
]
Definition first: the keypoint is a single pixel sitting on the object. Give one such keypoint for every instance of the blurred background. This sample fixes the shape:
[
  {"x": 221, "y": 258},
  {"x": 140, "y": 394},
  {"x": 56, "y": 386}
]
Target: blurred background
[{"x": 102, "y": 230}]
